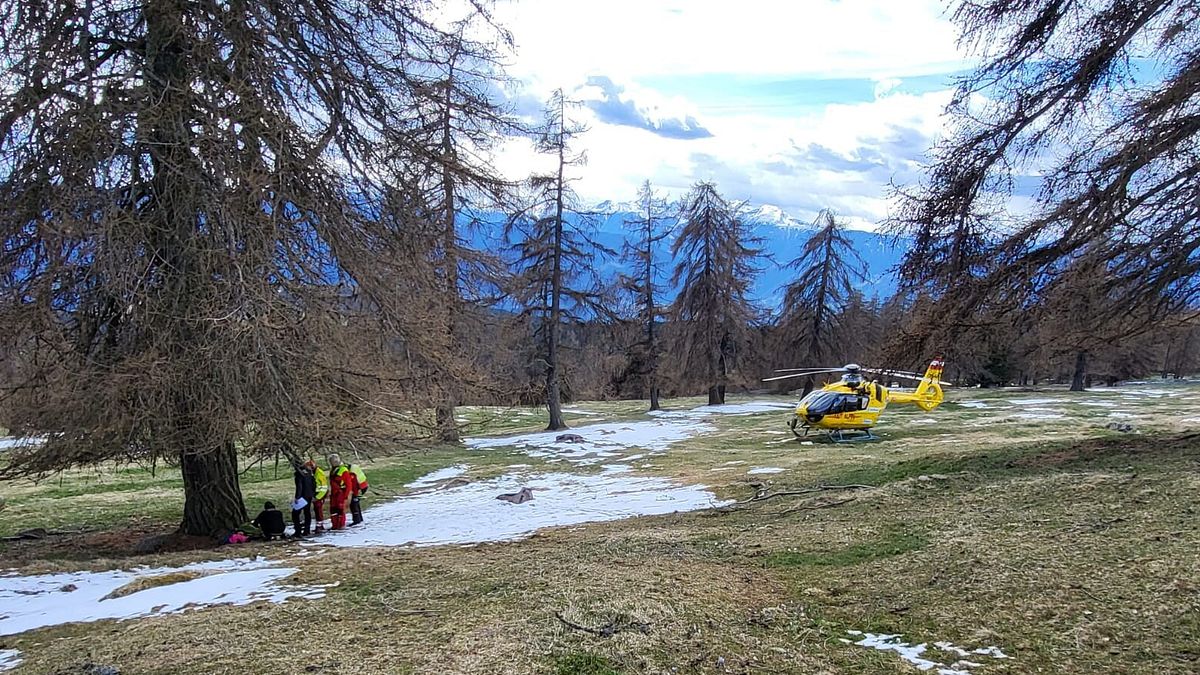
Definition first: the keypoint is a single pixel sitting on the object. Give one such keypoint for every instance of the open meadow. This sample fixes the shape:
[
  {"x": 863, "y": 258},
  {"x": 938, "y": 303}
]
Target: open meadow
[{"x": 1009, "y": 531}]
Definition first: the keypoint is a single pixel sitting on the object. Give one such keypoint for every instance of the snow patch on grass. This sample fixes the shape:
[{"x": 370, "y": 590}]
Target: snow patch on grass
[
  {"x": 913, "y": 653},
  {"x": 11, "y": 442},
  {"x": 37, "y": 601},
  {"x": 470, "y": 514},
  {"x": 600, "y": 441},
  {"x": 974, "y": 404},
  {"x": 431, "y": 479},
  {"x": 9, "y": 659},
  {"x": 764, "y": 469},
  {"x": 748, "y": 408}
]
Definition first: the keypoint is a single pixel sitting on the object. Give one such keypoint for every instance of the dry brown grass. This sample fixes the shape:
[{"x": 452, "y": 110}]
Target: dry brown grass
[
  {"x": 1075, "y": 556},
  {"x": 144, "y": 583}
]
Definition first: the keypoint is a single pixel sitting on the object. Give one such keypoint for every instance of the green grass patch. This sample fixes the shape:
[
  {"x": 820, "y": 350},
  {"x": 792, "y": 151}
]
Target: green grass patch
[
  {"x": 584, "y": 663},
  {"x": 895, "y": 540},
  {"x": 1043, "y": 457}
]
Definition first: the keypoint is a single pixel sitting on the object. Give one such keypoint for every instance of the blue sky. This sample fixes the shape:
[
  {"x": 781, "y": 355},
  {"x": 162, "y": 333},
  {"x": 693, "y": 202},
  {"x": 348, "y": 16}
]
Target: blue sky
[{"x": 803, "y": 105}]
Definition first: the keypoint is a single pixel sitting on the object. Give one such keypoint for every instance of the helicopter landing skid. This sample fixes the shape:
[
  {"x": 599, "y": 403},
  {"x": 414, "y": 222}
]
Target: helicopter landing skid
[
  {"x": 835, "y": 435},
  {"x": 851, "y": 435}
]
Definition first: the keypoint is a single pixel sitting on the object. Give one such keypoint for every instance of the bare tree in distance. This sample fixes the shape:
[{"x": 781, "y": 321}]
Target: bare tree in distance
[
  {"x": 1062, "y": 98},
  {"x": 715, "y": 264},
  {"x": 554, "y": 255},
  {"x": 651, "y": 226},
  {"x": 828, "y": 268},
  {"x": 196, "y": 258},
  {"x": 460, "y": 125}
]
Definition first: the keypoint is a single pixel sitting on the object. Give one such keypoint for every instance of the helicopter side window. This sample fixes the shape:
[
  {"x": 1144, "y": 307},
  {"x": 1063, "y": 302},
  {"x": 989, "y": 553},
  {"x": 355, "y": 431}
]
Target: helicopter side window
[
  {"x": 848, "y": 403},
  {"x": 830, "y": 403},
  {"x": 854, "y": 403}
]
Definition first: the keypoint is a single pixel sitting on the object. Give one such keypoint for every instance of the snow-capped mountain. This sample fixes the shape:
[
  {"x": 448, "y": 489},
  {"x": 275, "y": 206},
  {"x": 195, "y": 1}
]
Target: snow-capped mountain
[
  {"x": 769, "y": 214},
  {"x": 783, "y": 238}
]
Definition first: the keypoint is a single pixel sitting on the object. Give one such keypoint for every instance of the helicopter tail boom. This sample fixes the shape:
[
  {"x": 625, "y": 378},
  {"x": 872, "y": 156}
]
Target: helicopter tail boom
[{"x": 928, "y": 394}]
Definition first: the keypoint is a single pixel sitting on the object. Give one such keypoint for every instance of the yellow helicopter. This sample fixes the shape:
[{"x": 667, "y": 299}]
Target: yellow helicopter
[{"x": 848, "y": 409}]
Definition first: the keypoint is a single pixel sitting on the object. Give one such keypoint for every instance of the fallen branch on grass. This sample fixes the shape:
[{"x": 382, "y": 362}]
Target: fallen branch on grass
[
  {"x": 762, "y": 495},
  {"x": 42, "y": 533},
  {"x": 608, "y": 630},
  {"x": 814, "y": 507}
]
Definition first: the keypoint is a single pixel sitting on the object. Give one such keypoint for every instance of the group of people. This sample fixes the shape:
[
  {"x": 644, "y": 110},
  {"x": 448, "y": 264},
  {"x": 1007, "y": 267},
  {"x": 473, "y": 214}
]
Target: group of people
[{"x": 343, "y": 486}]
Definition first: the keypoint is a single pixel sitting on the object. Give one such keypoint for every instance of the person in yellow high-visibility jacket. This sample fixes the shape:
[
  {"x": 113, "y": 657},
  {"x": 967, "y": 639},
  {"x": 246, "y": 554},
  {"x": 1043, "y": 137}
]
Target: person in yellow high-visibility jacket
[{"x": 322, "y": 480}]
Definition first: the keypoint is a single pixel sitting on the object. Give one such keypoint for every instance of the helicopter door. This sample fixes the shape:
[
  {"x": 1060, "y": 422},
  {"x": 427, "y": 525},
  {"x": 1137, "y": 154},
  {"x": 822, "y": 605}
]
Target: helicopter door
[{"x": 851, "y": 403}]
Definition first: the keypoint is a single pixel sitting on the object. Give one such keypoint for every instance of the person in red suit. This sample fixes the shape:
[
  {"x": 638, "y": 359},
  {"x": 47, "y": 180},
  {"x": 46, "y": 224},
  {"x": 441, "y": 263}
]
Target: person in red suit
[{"x": 343, "y": 485}]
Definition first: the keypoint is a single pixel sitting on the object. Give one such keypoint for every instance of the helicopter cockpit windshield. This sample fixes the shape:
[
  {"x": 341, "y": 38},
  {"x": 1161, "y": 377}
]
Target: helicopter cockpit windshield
[{"x": 820, "y": 403}]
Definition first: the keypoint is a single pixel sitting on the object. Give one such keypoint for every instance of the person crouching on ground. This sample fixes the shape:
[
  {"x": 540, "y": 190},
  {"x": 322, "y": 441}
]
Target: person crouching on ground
[
  {"x": 306, "y": 492},
  {"x": 270, "y": 521},
  {"x": 321, "y": 481},
  {"x": 360, "y": 478},
  {"x": 342, "y": 486}
]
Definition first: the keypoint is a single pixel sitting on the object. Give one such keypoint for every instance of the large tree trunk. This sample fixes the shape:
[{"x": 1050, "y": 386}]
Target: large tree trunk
[
  {"x": 1077, "y": 381},
  {"x": 553, "y": 395},
  {"x": 808, "y": 386},
  {"x": 654, "y": 397},
  {"x": 212, "y": 497},
  {"x": 714, "y": 395},
  {"x": 446, "y": 424},
  {"x": 554, "y": 401}
]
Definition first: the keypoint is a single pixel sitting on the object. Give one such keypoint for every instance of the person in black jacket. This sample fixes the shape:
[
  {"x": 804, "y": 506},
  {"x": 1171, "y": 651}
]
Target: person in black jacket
[
  {"x": 270, "y": 521},
  {"x": 306, "y": 491}
]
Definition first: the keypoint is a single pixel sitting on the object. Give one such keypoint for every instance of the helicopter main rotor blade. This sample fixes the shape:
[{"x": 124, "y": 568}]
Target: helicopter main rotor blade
[
  {"x": 918, "y": 376},
  {"x": 791, "y": 375},
  {"x": 904, "y": 375},
  {"x": 816, "y": 369}
]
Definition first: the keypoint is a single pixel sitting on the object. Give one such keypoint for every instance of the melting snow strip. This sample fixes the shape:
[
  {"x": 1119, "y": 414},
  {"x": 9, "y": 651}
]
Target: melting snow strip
[
  {"x": 913, "y": 653},
  {"x": 10, "y": 442},
  {"x": 9, "y": 659},
  {"x": 438, "y": 476},
  {"x": 32, "y": 602},
  {"x": 470, "y": 514},
  {"x": 765, "y": 469},
  {"x": 608, "y": 439}
]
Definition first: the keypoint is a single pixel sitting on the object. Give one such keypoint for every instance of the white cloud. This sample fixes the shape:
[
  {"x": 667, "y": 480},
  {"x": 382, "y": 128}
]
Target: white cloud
[
  {"x": 840, "y": 155},
  {"x": 558, "y": 41}
]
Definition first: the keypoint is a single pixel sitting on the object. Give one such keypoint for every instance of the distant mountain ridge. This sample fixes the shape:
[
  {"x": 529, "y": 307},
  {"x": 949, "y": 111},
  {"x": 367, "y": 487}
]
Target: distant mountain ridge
[{"x": 783, "y": 238}]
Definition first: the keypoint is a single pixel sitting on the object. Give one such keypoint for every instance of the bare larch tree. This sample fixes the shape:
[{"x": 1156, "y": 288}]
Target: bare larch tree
[
  {"x": 716, "y": 256},
  {"x": 827, "y": 269},
  {"x": 649, "y": 228},
  {"x": 195, "y": 262},
  {"x": 460, "y": 124},
  {"x": 555, "y": 257},
  {"x": 1063, "y": 98}
]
